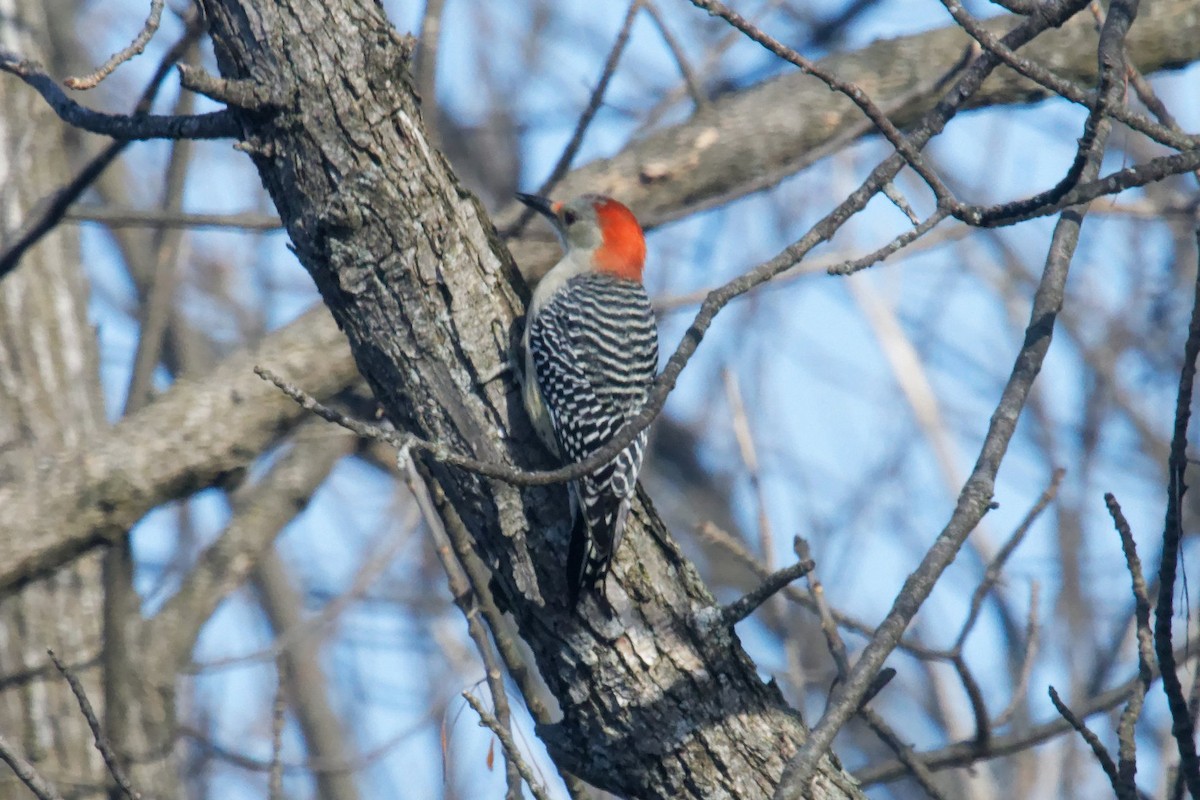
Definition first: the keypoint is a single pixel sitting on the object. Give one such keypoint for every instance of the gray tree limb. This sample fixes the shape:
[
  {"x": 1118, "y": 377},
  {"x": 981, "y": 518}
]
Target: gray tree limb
[{"x": 200, "y": 433}]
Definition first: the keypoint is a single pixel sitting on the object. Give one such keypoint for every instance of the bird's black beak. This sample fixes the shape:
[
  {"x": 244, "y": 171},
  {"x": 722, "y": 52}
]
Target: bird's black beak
[{"x": 538, "y": 204}]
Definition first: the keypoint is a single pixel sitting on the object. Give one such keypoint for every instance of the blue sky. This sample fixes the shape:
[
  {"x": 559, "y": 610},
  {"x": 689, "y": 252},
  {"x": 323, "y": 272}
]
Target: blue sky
[{"x": 826, "y": 409}]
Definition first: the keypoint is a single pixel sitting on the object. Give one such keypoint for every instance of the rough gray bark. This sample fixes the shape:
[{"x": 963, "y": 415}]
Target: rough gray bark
[
  {"x": 654, "y": 706},
  {"x": 49, "y": 398}
]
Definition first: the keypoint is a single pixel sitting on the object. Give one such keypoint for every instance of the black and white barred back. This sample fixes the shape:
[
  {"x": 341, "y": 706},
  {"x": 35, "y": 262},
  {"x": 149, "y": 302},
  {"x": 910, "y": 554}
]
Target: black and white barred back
[{"x": 595, "y": 354}]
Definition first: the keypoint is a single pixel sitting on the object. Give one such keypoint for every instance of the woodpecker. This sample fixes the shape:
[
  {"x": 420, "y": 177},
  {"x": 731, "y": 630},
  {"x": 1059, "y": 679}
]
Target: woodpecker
[{"x": 591, "y": 353}]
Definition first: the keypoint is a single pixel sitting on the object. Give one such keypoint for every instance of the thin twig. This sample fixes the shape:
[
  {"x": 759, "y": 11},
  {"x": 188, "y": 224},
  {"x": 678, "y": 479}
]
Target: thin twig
[
  {"x": 137, "y": 127},
  {"x": 585, "y": 119},
  {"x": 735, "y": 547},
  {"x": 973, "y": 502},
  {"x": 54, "y": 207},
  {"x": 837, "y": 649},
  {"x": 506, "y": 643},
  {"x": 904, "y": 752},
  {"x": 749, "y": 454},
  {"x": 992, "y": 573},
  {"x": 161, "y": 218},
  {"x": 1064, "y": 88},
  {"x": 1182, "y": 725},
  {"x": 358, "y": 763},
  {"x": 891, "y": 192},
  {"x": 1031, "y": 647},
  {"x": 27, "y": 773},
  {"x": 155, "y": 314},
  {"x": 510, "y": 747},
  {"x": 907, "y": 148},
  {"x": 1108, "y": 95},
  {"x": 916, "y": 96},
  {"x": 743, "y": 607},
  {"x": 1127, "y": 741},
  {"x": 106, "y": 751},
  {"x": 690, "y": 80},
  {"x": 983, "y": 724},
  {"x": 962, "y": 754},
  {"x": 375, "y": 562},
  {"x": 437, "y": 452},
  {"x": 278, "y": 707},
  {"x": 816, "y": 591},
  {"x": 134, "y": 48},
  {"x": 465, "y": 595},
  {"x": 1093, "y": 741}
]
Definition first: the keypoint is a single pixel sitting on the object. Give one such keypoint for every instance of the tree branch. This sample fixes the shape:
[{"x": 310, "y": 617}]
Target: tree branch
[
  {"x": 106, "y": 752},
  {"x": 963, "y": 754},
  {"x": 200, "y": 432},
  {"x": 974, "y": 499},
  {"x": 735, "y": 612},
  {"x": 1182, "y": 725},
  {"x": 136, "y": 127},
  {"x": 1093, "y": 741},
  {"x": 27, "y": 773},
  {"x": 53, "y": 210},
  {"x": 134, "y": 48}
]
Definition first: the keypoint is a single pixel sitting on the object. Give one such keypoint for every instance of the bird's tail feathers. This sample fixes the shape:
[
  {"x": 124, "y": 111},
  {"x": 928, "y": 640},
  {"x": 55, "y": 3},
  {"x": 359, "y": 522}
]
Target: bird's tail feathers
[{"x": 595, "y": 535}]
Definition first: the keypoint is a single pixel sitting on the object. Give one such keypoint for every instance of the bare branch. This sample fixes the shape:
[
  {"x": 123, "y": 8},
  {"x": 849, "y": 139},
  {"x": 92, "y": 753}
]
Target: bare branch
[
  {"x": 249, "y": 221},
  {"x": 743, "y": 607},
  {"x": 27, "y": 773},
  {"x": 134, "y": 48},
  {"x": 1031, "y": 647},
  {"x": 199, "y": 432},
  {"x": 503, "y": 635},
  {"x": 260, "y": 511},
  {"x": 1149, "y": 172},
  {"x": 749, "y": 453},
  {"x": 992, "y": 573},
  {"x": 904, "y": 752},
  {"x": 511, "y": 752},
  {"x": 106, "y": 752},
  {"x": 585, "y": 119},
  {"x": 973, "y": 501},
  {"x": 374, "y": 564},
  {"x": 1127, "y": 750},
  {"x": 56, "y": 205},
  {"x": 155, "y": 312},
  {"x": 465, "y": 595},
  {"x": 136, "y": 127},
  {"x": 1162, "y": 134},
  {"x": 278, "y": 709},
  {"x": 1182, "y": 725},
  {"x": 243, "y": 93},
  {"x": 816, "y": 591},
  {"x": 694, "y": 89},
  {"x": 906, "y": 147},
  {"x": 1093, "y": 741},
  {"x": 963, "y": 754}
]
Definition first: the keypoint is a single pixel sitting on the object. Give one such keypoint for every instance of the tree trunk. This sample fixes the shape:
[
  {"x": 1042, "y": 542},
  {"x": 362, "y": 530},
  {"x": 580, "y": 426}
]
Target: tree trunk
[
  {"x": 49, "y": 398},
  {"x": 654, "y": 705}
]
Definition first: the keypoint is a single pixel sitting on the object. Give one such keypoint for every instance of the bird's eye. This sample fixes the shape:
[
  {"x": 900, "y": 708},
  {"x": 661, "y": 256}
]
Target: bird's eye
[{"x": 570, "y": 216}]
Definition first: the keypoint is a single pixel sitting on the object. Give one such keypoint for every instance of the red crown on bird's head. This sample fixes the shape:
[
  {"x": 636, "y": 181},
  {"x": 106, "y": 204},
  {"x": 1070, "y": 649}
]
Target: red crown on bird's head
[{"x": 622, "y": 252}]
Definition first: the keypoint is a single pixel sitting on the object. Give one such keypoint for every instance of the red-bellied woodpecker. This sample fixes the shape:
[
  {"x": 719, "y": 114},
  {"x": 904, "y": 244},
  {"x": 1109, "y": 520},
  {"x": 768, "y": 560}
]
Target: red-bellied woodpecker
[{"x": 591, "y": 352}]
